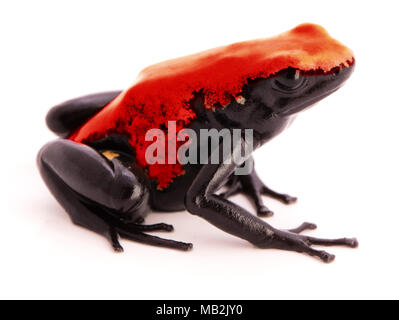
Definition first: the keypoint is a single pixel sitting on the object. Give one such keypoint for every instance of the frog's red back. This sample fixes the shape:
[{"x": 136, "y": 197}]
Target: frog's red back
[{"x": 162, "y": 92}]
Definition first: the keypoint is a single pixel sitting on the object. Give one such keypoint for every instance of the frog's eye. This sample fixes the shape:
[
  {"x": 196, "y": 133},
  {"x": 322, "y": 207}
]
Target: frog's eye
[{"x": 292, "y": 80}]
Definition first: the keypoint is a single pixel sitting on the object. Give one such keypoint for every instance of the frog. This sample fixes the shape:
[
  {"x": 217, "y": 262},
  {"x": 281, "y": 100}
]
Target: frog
[{"x": 98, "y": 171}]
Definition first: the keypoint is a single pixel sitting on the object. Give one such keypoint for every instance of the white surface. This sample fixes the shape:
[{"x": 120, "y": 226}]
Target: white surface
[{"x": 340, "y": 158}]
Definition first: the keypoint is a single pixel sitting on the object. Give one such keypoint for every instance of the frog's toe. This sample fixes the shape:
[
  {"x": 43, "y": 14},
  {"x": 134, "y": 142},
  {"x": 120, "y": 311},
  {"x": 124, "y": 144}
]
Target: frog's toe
[
  {"x": 155, "y": 241},
  {"x": 304, "y": 226},
  {"x": 265, "y": 212},
  {"x": 353, "y": 243},
  {"x": 287, "y": 199},
  {"x": 117, "y": 248},
  {"x": 327, "y": 257},
  {"x": 114, "y": 239},
  {"x": 345, "y": 242},
  {"x": 148, "y": 228}
]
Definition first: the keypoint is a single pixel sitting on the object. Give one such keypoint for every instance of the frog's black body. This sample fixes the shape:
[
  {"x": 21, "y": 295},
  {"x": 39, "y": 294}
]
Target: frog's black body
[{"x": 112, "y": 197}]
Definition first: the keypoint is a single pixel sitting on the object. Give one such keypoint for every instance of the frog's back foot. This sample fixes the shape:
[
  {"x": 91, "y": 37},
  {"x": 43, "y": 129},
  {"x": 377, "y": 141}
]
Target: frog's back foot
[{"x": 69, "y": 115}]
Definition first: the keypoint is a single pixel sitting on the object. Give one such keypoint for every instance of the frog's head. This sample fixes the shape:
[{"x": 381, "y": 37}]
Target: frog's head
[
  {"x": 293, "y": 90},
  {"x": 314, "y": 65}
]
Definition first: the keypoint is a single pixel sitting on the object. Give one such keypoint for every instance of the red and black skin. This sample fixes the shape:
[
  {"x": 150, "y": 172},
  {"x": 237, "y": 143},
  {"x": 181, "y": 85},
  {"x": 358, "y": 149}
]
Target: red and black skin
[{"x": 112, "y": 198}]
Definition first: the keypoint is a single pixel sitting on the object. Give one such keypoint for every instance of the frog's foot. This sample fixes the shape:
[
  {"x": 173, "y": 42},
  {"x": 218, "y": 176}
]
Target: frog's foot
[
  {"x": 289, "y": 240},
  {"x": 307, "y": 242},
  {"x": 254, "y": 188}
]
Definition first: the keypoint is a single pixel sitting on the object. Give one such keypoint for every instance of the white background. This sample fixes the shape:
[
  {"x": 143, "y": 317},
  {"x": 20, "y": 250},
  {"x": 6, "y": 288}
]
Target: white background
[{"x": 340, "y": 158}]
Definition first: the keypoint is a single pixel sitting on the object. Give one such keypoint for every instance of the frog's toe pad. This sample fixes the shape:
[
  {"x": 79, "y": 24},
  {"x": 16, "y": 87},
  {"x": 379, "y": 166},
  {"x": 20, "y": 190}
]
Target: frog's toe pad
[
  {"x": 117, "y": 249},
  {"x": 264, "y": 212},
  {"x": 327, "y": 257},
  {"x": 287, "y": 199},
  {"x": 353, "y": 243}
]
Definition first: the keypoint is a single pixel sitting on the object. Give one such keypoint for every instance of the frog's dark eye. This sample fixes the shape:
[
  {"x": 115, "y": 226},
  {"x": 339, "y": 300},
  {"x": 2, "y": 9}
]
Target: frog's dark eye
[{"x": 292, "y": 80}]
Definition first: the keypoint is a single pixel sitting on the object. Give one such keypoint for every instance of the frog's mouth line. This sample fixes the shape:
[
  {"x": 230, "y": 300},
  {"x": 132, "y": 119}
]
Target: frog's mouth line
[
  {"x": 341, "y": 74},
  {"x": 306, "y": 104}
]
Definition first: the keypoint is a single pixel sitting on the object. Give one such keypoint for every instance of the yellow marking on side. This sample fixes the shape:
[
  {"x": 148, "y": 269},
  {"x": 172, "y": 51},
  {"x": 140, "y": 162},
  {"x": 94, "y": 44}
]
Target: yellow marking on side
[
  {"x": 110, "y": 155},
  {"x": 241, "y": 100}
]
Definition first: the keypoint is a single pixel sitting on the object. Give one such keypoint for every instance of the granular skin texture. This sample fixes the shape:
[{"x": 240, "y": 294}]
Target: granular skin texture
[{"x": 163, "y": 92}]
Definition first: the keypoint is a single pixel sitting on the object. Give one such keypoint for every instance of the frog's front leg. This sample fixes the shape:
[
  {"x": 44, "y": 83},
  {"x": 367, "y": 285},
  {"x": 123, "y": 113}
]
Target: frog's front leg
[
  {"x": 202, "y": 200},
  {"x": 254, "y": 188},
  {"x": 102, "y": 195}
]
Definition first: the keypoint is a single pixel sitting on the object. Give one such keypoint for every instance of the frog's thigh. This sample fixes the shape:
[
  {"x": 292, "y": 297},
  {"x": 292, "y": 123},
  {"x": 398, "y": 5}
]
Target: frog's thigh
[{"x": 74, "y": 172}]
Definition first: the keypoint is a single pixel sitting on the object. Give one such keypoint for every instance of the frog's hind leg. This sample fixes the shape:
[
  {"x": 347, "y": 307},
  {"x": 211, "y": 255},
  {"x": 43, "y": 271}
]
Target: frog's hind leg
[
  {"x": 254, "y": 188},
  {"x": 100, "y": 195}
]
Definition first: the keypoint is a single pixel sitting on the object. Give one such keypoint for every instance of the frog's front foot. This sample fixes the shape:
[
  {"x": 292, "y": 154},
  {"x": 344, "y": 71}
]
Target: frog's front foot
[
  {"x": 254, "y": 188},
  {"x": 292, "y": 241}
]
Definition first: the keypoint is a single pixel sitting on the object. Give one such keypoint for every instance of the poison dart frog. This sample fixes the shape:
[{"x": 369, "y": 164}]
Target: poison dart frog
[{"x": 98, "y": 170}]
